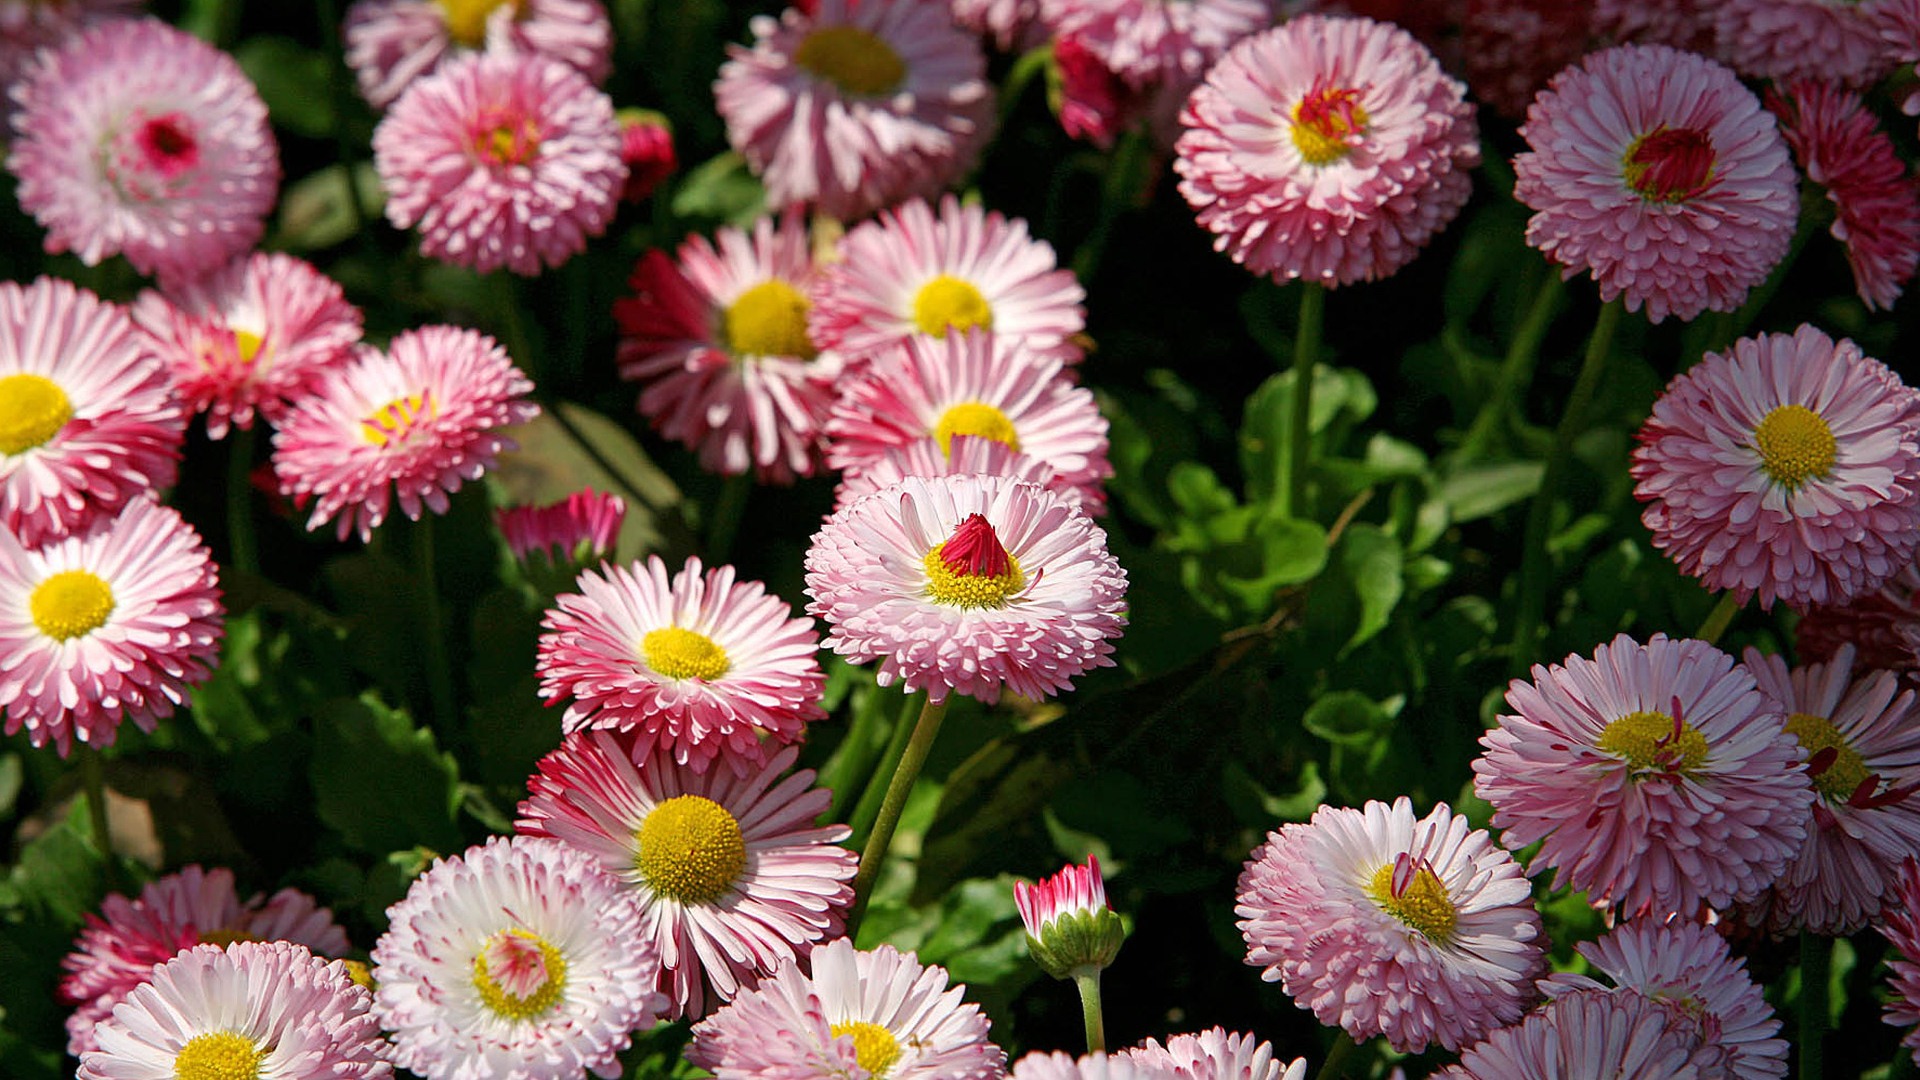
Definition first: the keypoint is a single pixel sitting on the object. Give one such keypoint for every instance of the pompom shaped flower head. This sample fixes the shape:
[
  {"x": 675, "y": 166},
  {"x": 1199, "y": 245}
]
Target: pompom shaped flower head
[
  {"x": 1660, "y": 174},
  {"x": 139, "y": 139},
  {"x": 1147, "y": 43},
  {"x": 1788, "y": 467},
  {"x": 1422, "y": 931},
  {"x": 1594, "y": 1035},
  {"x": 968, "y": 584},
  {"x": 700, "y": 664},
  {"x": 501, "y": 160},
  {"x": 860, "y": 1014},
  {"x": 1803, "y": 39},
  {"x": 1217, "y": 1054},
  {"x": 1903, "y": 930},
  {"x": 391, "y": 43},
  {"x": 1327, "y": 149},
  {"x": 580, "y": 528},
  {"x": 852, "y": 105},
  {"x": 1658, "y": 776},
  {"x": 1071, "y": 929}
]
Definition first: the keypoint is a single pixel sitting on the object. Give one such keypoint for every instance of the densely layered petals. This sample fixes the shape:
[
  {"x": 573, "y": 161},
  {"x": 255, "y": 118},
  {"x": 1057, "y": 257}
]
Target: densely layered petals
[
  {"x": 391, "y": 43},
  {"x": 1593, "y": 1035}
]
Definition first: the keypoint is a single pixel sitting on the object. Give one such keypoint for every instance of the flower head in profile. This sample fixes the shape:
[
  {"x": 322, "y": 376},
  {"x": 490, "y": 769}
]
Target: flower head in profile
[
  {"x": 1145, "y": 42},
  {"x": 1071, "y": 929},
  {"x": 1803, "y": 39},
  {"x": 1217, "y": 1054},
  {"x": 646, "y": 147},
  {"x": 580, "y": 528},
  {"x": 1594, "y": 1035},
  {"x": 1903, "y": 930},
  {"x": 392, "y": 43}
]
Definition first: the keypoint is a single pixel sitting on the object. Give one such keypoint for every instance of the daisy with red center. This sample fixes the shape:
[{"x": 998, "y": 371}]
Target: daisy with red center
[
  {"x": 581, "y": 528},
  {"x": 705, "y": 667},
  {"x": 1217, "y": 1054},
  {"x": 1659, "y": 173},
  {"x": 1903, "y": 930},
  {"x": 1803, "y": 39},
  {"x": 1593, "y": 1033},
  {"x": 1788, "y": 466},
  {"x": 412, "y": 423},
  {"x": 962, "y": 455},
  {"x": 138, "y": 139},
  {"x": 852, "y": 105},
  {"x": 1327, "y": 149},
  {"x": 1146, "y": 42},
  {"x": 501, "y": 160},
  {"x": 391, "y": 43},
  {"x": 731, "y": 874}
]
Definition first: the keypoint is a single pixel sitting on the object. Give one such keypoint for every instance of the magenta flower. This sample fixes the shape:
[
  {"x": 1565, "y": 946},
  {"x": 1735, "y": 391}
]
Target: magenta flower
[{"x": 581, "y": 528}]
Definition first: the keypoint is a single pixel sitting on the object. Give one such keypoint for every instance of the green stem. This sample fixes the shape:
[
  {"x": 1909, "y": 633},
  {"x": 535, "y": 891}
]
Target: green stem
[
  {"x": 513, "y": 327},
  {"x": 340, "y": 94},
  {"x": 241, "y": 549},
  {"x": 439, "y": 668},
  {"x": 1291, "y": 490},
  {"x": 1719, "y": 619},
  {"x": 726, "y": 516},
  {"x": 1343, "y": 1048},
  {"x": 867, "y": 811},
  {"x": 1031, "y": 63},
  {"x": 875, "y": 851},
  {"x": 1121, "y": 187},
  {"x": 1088, "y": 980},
  {"x": 1903, "y": 1067},
  {"x": 1816, "y": 965},
  {"x": 93, "y": 782},
  {"x": 1515, "y": 370}
]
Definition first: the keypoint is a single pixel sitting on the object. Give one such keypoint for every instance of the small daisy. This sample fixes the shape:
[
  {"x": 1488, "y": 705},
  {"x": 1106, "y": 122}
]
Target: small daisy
[
  {"x": 501, "y": 160},
  {"x": 1903, "y": 930},
  {"x": 251, "y": 1009},
  {"x": 1147, "y": 42},
  {"x": 1882, "y": 625},
  {"x": 731, "y": 874},
  {"x": 1803, "y": 39},
  {"x": 391, "y": 43},
  {"x": 1216, "y": 1054},
  {"x": 1659, "y": 173},
  {"x": 1658, "y": 776},
  {"x": 876, "y": 1014},
  {"x": 87, "y": 418},
  {"x": 1040, "y": 1065},
  {"x": 1788, "y": 466},
  {"x": 701, "y": 665},
  {"x": 581, "y": 528},
  {"x": 139, "y": 139},
  {"x": 967, "y": 584},
  {"x": 646, "y": 148},
  {"x": 962, "y": 455},
  {"x": 412, "y": 423},
  {"x": 520, "y": 958},
  {"x": 112, "y": 624},
  {"x": 249, "y": 337},
  {"x": 852, "y": 105},
  {"x": 1594, "y": 1035}
]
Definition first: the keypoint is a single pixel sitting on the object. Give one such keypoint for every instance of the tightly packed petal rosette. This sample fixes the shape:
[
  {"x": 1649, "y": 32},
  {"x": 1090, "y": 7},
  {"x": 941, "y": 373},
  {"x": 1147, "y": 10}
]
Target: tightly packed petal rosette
[
  {"x": 391, "y": 43},
  {"x": 112, "y": 624},
  {"x": 1146, "y": 42},
  {"x": 249, "y": 337},
  {"x": 962, "y": 455},
  {"x": 1422, "y": 931},
  {"x": 1657, "y": 172},
  {"x": 87, "y": 417},
  {"x": 1787, "y": 467},
  {"x": 859, "y": 1014},
  {"x": 408, "y": 424},
  {"x": 1656, "y": 777},
  {"x": 249, "y": 1009},
  {"x": 1803, "y": 39},
  {"x": 852, "y": 105},
  {"x": 1903, "y": 930},
  {"x": 1217, "y": 1054},
  {"x": 519, "y": 958},
  {"x": 580, "y": 528},
  {"x": 646, "y": 146},
  {"x": 700, "y": 664},
  {"x": 501, "y": 160},
  {"x": 1327, "y": 149},
  {"x": 1883, "y": 626},
  {"x": 1040, "y": 1065},
  {"x": 731, "y": 874},
  {"x": 137, "y": 139},
  {"x": 1594, "y": 1035},
  {"x": 968, "y": 584}
]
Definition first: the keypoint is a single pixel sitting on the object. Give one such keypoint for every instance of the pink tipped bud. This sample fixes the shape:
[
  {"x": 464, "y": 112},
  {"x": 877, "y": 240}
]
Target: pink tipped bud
[
  {"x": 579, "y": 529},
  {"x": 646, "y": 145},
  {"x": 1070, "y": 927}
]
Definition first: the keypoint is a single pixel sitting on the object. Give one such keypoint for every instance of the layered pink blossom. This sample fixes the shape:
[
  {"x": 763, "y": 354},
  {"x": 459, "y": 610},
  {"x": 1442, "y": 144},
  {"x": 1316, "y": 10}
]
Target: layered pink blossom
[
  {"x": 1146, "y": 42},
  {"x": 1598, "y": 1035},
  {"x": 1803, "y": 39},
  {"x": 391, "y": 43},
  {"x": 963, "y": 455},
  {"x": 1217, "y": 1054},
  {"x": 580, "y": 528}
]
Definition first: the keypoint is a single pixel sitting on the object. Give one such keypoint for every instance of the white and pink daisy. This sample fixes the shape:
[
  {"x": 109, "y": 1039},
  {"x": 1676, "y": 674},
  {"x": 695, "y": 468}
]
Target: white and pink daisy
[
  {"x": 732, "y": 876},
  {"x": 1217, "y": 1054},
  {"x": 852, "y": 105},
  {"x": 1327, "y": 149},
  {"x": 963, "y": 455},
  {"x": 968, "y": 584},
  {"x": 391, "y": 43},
  {"x": 1040, "y": 1065},
  {"x": 1146, "y": 42},
  {"x": 1788, "y": 467},
  {"x": 27, "y": 26},
  {"x": 1659, "y": 173},
  {"x": 1903, "y": 930},
  {"x": 859, "y": 1014},
  {"x": 139, "y": 139},
  {"x": 580, "y": 528},
  {"x": 1071, "y": 929},
  {"x": 87, "y": 418},
  {"x": 1655, "y": 777},
  {"x": 519, "y": 958},
  {"x": 501, "y": 160},
  {"x": 111, "y": 624},
  {"x": 1594, "y": 1035},
  {"x": 251, "y": 1009},
  {"x": 1803, "y": 39},
  {"x": 411, "y": 423},
  {"x": 703, "y": 666},
  {"x": 249, "y": 337}
]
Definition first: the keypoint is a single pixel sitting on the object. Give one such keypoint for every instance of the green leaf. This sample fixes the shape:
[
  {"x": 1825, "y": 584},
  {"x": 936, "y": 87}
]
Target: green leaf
[
  {"x": 291, "y": 79},
  {"x": 722, "y": 189},
  {"x": 1259, "y": 807},
  {"x": 316, "y": 213},
  {"x": 1372, "y": 562},
  {"x": 1347, "y": 718},
  {"x": 1480, "y": 490},
  {"x": 381, "y": 782}
]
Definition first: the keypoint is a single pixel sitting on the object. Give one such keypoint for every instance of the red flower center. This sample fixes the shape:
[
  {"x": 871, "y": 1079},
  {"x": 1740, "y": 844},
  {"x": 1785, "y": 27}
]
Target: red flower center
[
  {"x": 1327, "y": 123},
  {"x": 166, "y": 144},
  {"x": 1669, "y": 164},
  {"x": 974, "y": 550}
]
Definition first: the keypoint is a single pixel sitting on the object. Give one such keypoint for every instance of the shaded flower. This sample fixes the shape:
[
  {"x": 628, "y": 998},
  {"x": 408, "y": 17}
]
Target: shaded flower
[
  {"x": 1216, "y": 1054},
  {"x": 1145, "y": 42},
  {"x": 1903, "y": 930},
  {"x": 1511, "y": 48},
  {"x": 1014, "y": 25},
  {"x": 1593, "y": 1035},
  {"x": 581, "y": 528},
  {"x": 1882, "y": 624},
  {"x": 1802, "y": 39},
  {"x": 391, "y": 43},
  {"x": 1091, "y": 101}
]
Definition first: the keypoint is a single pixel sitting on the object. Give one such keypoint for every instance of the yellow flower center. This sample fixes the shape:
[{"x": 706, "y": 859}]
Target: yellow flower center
[
  {"x": 947, "y": 301},
  {"x": 518, "y": 974},
  {"x": 1652, "y": 741},
  {"x": 684, "y": 654},
  {"x": 218, "y": 1055},
  {"x": 852, "y": 59},
  {"x": 1324, "y": 121},
  {"x": 247, "y": 344},
  {"x": 1839, "y": 780},
  {"x": 769, "y": 319},
  {"x": 224, "y": 937},
  {"x": 394, "y": 421},
  {"x": 691, "y": 850},
  {"x": 33, "y": 409},
  {"x": 1668, "y": 165},
  {"x": 1795, "y": 445},
  {"x": 975, "y": 418},
  {"x": 71, "y": 604},
  {"x": 945, "y": 585},
  {"x": 874, "y": 1047},
  {"x": 467, "y": 19},
  {"x": 1422, "y": 903},
  {"x": 361, "y": 975}
]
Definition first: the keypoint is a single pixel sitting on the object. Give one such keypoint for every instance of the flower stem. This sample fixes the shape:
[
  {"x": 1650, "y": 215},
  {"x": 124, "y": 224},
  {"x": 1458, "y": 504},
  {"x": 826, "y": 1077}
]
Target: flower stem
[
  {"x": 726, "y": 516},
  {"x": 1031, "y": 63},
  {"x": 1522, "y": 353},
  {"x": 1816, "y": 963},
  {"x": 1088, "y": 981},
  {"x": 439, "y": 669},
  {"x": 867, "y": 810},
  {"x": 1123, "y": 185},
  {"x": 241, "y": 549},
  {"x": 1292, "y": 489},
  {"x": 93, "y": 785},
  {"x": 1343, "y": 1048},
  {"x": 875, "y": 852},
  {"x": 1719, "y": 619}
]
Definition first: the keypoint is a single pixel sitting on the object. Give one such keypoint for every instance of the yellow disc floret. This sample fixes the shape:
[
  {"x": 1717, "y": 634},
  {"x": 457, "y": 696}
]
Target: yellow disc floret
[
  {"x": 1795, "y": 445},
  {"x": 71, "y": 604},
  {"x": 683, "y": 654},
  {"x": 1651, "y": 741},
  {"x": 393, "y": 421},
  {"x": 518, "y": 974},
  {"x": 246, "y": 344},
  {"x": 946, "y": 586},
  {"x": 975, "y": 418},
  {"x": 467, "y": 19},
  {"x": 1325, "y": 122},
  {"x": 852, "y": 59},
  {"x": 218, "y": 1055},
  {"x": 33, "y": 409},
  {"x": 1848, "y": 770},
  {"x": 769, "y": 319},
  {"x": 1422, "y": 902},
  {"x": 691, "y": 850},
  {"x": 947, "y": 301},
  {"x": 874, "y": 1047}
]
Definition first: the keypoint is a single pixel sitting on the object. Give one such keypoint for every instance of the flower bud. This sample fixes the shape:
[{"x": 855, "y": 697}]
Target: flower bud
[{"x": 1070, "y": 929}]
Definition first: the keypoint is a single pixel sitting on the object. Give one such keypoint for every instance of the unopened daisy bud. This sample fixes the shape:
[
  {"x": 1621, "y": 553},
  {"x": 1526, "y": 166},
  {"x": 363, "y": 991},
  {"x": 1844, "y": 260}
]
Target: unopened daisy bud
[
  {"x": 579, "y": 529},
  {"x": 646, "y": 145},
  {"x": 1071, "y": 930}
]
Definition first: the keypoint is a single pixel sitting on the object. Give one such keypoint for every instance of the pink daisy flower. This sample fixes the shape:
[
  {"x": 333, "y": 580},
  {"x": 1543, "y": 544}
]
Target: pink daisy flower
[
  {"x": 413, "y": 422},
  {"x": 702, "y": 666},
  {"x": 856, "y": 104},
  {"x": 1216, "y": 1054},
  {"x": 391, "y": 43},
  {"x": 27, "y": 26},
  {"x": 581, "y": 528},
  {"x": 1658, "y": 777},
  {"x": 1903, "y": 930},
  {"x": 978, "y": 385},
  {"x": 1802, "y": 39},
  {"x": 249, "y": 337},
  {"x": 968, "y": 584},
  {"x": 1512, "y": 48},
  {"x": 1040, "y": 1065},
  {"x": 250, "y": 1009},
  {"x": 501, "y": 160},
  {"x": 1014, "y": 25},
  {"x": 1422, "y": 931},
  {"x": 112, "y": 624},
  {"x": 964, "y": 455},
  {"x": 138, "y": 139},
  {"x": 908, "y": 273},
  {"x": 1660, "y": 174},
  {"x": 719, "y": 344},
  {"x": 1329, "y": 149},
  {"x": 730, "y": 872},
  {"x": 875, "y": 1014},
  {"x": 518, "y": 958},
  {"x": 1883, "y": 625},
  {"x": 1594, "y": 1035},
  {"x": 1094, "y": 104},
  {"x": 1145, "y": 42},
  {"x": 1899, "y": 25},
  {"x": 646, "y": 148},
  {"x": 1788, "y": 466},
  {"x": 87, "y": 419}
]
